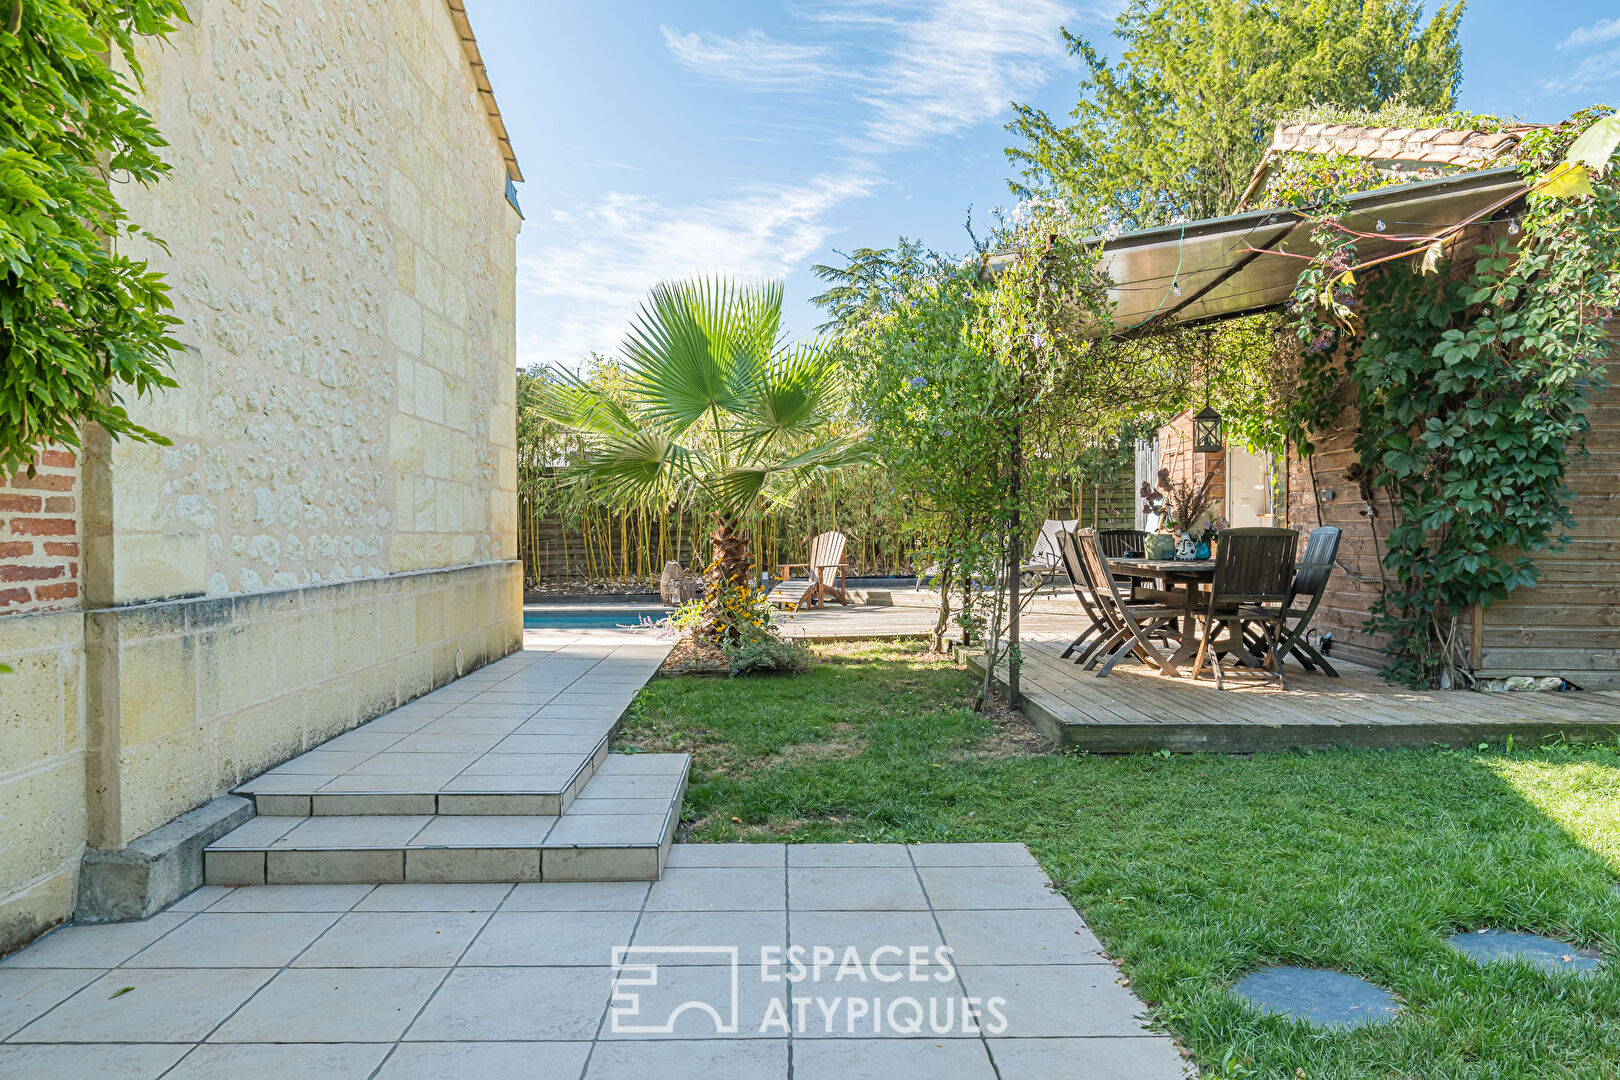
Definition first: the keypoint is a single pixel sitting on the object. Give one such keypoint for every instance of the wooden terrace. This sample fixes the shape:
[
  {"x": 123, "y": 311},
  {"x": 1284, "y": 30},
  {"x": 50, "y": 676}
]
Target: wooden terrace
[{"x": 1138, "y": 709}]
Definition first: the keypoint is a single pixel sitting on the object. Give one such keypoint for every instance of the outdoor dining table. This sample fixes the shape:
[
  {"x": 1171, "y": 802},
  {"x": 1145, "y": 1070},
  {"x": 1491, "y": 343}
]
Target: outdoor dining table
[{"x": 1190, "y": 575}]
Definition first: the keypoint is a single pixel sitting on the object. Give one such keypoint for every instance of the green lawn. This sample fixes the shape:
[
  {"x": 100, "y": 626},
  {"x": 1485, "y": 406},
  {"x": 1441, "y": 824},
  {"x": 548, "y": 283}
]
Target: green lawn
[{"x": 1196, "y": 869}]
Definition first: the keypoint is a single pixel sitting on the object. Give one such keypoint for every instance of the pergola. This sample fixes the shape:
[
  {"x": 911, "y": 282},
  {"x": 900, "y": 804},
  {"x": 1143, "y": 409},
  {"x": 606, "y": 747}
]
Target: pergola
[{"x": 1198, "y": 272}]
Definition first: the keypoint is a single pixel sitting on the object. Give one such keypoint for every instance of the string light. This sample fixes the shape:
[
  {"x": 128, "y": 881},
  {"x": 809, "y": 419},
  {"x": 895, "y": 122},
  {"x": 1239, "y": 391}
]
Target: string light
[
  {"x": 1513, "y": 226},
  {"x": 1380, "y": 224}
]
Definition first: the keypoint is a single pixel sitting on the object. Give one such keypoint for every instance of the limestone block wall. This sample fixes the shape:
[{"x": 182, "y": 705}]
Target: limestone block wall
[
  {"x": 196, "y": 695},
  {"x": 43, "y": 814},
  {"x": 333, "y": 530},
  {"x": 341, "y": 251}
]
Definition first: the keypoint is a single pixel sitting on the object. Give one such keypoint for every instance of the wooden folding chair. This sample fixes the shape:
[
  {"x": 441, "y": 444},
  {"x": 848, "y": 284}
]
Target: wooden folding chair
[
  {"x": 1130, "y": 627},
  {"x": 1253, "y": 573},
  {"x": 1080, "y": 582},
  {"x": 1117, "y": 544},
  {"x": 1310, "y": 584}
]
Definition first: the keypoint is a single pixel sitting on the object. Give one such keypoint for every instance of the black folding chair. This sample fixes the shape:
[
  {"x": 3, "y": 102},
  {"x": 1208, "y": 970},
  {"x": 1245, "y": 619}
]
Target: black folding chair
[
  {"x": 1118, "y": 543},
  {"x": 1254, "y": 571}
]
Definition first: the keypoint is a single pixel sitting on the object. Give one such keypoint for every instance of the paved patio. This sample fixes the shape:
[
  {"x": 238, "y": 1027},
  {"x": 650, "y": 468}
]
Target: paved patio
[{"x": 500, "y": 980}]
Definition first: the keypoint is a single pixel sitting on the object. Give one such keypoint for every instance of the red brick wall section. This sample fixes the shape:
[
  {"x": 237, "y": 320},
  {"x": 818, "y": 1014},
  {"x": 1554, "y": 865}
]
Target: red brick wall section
[{"x": 39, "y": 536}]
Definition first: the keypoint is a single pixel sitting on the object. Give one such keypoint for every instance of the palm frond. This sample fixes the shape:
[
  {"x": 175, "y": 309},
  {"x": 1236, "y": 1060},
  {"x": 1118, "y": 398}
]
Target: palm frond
[
  {"x": 753, "y": 326},
  {"x": 680, "y": 352},
  {"x": 740, "y": 487},
  {"x": 569, "y": 401},
  {"x": 630, "y": 471},
  {"x": 796, "y": 394}
]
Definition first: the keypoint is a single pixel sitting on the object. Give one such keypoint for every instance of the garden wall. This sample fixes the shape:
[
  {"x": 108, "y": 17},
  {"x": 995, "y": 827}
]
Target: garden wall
[{"x": 333, "y": 530}]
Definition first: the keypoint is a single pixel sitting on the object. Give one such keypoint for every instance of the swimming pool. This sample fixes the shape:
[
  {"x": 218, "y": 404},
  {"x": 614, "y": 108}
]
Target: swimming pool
[{"x": 590, "y": 618}]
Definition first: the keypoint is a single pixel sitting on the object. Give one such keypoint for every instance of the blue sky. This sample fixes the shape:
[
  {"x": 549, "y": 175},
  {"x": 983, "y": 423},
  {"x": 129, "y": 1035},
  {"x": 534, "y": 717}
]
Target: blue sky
[{"x": 665, "y": 139}]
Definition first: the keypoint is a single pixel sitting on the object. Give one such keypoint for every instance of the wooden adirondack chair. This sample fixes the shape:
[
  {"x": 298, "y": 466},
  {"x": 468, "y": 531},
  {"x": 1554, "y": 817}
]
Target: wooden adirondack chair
[{"x": 824, "y": 575}]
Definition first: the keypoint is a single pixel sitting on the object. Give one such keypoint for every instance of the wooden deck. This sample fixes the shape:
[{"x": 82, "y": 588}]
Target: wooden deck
[{"x": 1135, "y": 709}]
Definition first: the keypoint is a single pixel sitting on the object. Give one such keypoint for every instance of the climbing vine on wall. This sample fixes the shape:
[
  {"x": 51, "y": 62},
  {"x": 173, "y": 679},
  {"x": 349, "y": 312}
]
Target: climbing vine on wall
[
  {"x": 79, "y": 321},
  {"x": 1472, "y": 358}
]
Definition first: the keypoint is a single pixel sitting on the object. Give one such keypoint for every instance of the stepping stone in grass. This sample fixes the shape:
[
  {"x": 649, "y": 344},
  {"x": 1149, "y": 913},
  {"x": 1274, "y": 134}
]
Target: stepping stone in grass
[
  {"x": 1546, "y": 953},
  {"x": 1328, "y": 998}
]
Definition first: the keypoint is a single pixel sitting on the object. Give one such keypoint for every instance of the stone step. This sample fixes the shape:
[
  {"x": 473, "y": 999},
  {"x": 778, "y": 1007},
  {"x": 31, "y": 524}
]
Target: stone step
[
  {"x": 533, "y": 772},
  {"x": 619, "y": 828}
]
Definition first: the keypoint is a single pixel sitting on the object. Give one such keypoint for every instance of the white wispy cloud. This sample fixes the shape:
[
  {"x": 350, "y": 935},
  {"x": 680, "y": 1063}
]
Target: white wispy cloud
[
  {"x": 888, "y": 75},
  {"x": 1601, "y": 68},
  {"x": 962, "y": 63},
  {"x": 581, "y": 288},
  {"x": 754, "y": 59},
  {"x": 920, "y": 68},
  {"x": 1599, "y": 32}
]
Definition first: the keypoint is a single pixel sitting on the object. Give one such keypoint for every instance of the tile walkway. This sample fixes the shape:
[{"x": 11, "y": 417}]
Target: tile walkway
[{"x": 500, "y": 980}]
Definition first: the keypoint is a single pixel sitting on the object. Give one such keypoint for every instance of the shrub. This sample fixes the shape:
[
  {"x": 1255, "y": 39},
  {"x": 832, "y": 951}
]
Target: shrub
[{"x": 760, "y": 649}]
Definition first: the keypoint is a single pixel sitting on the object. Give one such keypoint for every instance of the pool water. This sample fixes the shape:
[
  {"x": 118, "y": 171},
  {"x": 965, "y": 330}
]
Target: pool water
[{"x": 603, "y": 618}]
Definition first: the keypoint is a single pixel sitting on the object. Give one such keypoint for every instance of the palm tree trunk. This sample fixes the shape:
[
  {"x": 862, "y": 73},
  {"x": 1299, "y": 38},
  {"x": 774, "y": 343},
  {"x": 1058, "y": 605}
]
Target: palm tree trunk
[{"x": 729, "y": 566}]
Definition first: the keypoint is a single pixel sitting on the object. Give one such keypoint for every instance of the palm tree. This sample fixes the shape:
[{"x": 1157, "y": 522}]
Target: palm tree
[{"x": 720, "y": 409}]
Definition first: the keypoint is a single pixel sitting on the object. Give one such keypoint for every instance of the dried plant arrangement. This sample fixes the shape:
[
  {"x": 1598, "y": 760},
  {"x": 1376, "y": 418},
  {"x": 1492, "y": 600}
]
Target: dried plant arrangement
[{"x": 1184, "y": 502}]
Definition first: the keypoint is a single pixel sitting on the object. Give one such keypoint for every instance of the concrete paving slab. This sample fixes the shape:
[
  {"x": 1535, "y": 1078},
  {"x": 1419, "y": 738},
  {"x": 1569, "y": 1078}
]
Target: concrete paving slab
[
  {"x": 855, "y": 888},
  {"x": 1328, "y": 998},
  {"x": 486, "y": 1061},
  {"x": 281, "y": 1061},
  {"x": 364, "y": 939},
  {"x": 258, "y": 939},
  {"x": 892, "y": 1059},
  {"x": 179, "y": 1005},
  {"x": 146, "y": 1062},
  {"x": 332, "y": 1005},
  {"x": 26, "y": 994},
  {"x": 742, "y": 888},
  {"x": 1147, "y": 1058},
  {"x": 579, "y": 896},
  {"x": 523, "y": 1003},
  {"x": 102, "y": 946},
  {"x": 551, "y": 939}
]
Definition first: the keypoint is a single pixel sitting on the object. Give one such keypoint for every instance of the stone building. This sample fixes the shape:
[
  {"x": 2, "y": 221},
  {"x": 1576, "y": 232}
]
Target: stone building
[{"x": 333, "y": 530}]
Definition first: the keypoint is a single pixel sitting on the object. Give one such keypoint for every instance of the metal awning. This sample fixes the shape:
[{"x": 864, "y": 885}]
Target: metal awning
[{"x": 1208, "y": 270}]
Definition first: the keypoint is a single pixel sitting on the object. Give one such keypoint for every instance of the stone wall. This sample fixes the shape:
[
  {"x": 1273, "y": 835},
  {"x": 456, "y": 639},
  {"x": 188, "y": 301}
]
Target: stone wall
[
  {"x": 333, "y": 529},
  {"x": 343, "y": 261},
  {"x": 195, "y": 696},
  {"x": 42, "y": 792}
]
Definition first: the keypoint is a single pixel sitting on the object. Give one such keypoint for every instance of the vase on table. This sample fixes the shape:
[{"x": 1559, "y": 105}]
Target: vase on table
[
  {"x": 1186, "y": 547},
  {"x": 1159, "y": 546}
]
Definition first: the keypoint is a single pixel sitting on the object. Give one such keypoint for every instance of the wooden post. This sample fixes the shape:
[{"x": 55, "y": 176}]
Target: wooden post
[{"x": 1014, "y": 562}]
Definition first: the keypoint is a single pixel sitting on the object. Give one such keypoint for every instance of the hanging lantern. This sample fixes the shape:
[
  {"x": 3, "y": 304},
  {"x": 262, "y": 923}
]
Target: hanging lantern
[{"x": 1207, "y": 431}]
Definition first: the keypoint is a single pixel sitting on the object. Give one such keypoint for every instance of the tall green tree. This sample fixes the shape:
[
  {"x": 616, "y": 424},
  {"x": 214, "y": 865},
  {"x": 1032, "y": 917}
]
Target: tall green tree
[
  {"x": 1176, "y": 128},
  {"x": 80, "y": 321},
  {"x": 717, "y": 407}
]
